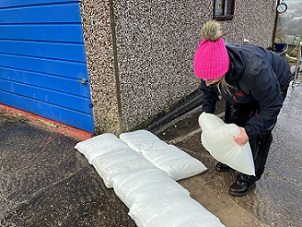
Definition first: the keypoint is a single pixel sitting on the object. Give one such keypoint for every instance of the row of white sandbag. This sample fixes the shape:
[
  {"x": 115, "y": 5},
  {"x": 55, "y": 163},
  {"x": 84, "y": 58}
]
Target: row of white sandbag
[{"x": 142, "y": 170}]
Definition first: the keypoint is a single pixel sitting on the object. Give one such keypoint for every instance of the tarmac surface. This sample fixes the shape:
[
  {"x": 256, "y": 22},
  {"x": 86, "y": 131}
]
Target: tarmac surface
[{"x": 45, "y": 181}]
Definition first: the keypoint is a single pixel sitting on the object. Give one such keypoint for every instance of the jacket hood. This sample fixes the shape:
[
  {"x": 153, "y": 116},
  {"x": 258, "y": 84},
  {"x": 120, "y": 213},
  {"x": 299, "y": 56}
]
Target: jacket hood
[{"x": 237, "y": 60}]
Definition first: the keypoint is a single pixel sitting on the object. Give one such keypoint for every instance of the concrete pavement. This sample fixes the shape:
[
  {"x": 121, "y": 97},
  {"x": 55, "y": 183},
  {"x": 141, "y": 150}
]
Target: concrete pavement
[{"x": 44, "y": 181}]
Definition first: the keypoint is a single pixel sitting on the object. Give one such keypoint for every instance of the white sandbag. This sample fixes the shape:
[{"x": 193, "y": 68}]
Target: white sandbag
[
  {"x": 142, "y": 140},
  {"x": 218, "y": 138},
  {"x": 174, "y": 210},
  {"x": 98, "y": 145},
  {"x": 172, "y": 160},
  {"x": 141, "y": 185},
  {"x": 118, "y": 162}
]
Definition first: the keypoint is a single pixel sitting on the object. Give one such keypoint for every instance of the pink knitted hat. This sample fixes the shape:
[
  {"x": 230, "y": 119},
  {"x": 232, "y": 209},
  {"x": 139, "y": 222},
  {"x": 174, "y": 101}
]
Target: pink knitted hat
[{"x": 211, "y": 60}]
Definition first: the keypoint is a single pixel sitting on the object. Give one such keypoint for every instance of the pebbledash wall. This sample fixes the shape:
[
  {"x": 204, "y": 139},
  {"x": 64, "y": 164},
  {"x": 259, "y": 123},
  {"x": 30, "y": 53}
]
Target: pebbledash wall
[{"x": 140, "y": 53}]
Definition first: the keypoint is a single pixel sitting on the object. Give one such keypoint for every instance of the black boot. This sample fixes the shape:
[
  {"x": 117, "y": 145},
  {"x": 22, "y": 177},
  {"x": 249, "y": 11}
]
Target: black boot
[
  {"x": 222, "y": 167},
  {"x": 242, "y": 185}
]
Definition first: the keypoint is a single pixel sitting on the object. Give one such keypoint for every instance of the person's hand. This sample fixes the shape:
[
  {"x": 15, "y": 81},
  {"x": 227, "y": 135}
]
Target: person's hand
[{"x": 242, "y": 138}]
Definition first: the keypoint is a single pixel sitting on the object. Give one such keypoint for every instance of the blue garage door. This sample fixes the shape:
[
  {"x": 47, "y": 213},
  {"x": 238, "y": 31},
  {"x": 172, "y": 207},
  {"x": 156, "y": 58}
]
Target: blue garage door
[{"x": 42, "y": 60}]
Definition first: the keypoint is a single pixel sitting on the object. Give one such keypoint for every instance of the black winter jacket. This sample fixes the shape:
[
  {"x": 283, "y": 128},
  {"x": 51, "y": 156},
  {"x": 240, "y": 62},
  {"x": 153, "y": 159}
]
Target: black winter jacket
[{"x": 256, "y": 76}]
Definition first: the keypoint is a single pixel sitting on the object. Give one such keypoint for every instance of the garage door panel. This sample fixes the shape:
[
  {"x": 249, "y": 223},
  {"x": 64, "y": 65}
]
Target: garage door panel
[
  {"x": 52, "y": 82},
  {"x": 21, "y": 3},
  {"x": 67, "y": 69},
  {"x": 69, "y": 33},
  {"x": 76, "y": 119},
  {"x": 42, "y": 60},
  {"x": 41, "y": 14},
  {"x": 60, "y": 51},
  {"x": 47, "y": 96}
]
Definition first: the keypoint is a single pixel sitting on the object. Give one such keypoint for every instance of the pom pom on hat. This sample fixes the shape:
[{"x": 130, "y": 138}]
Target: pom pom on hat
[{"x": 211, "y": 59}]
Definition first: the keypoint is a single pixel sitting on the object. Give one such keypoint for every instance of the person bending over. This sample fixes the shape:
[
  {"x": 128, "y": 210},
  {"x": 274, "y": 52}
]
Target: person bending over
[{"x": 253, "y": 82}]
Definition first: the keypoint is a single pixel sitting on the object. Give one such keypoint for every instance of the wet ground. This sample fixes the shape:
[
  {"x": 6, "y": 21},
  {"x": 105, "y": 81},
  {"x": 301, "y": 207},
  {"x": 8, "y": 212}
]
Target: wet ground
[{"x": 44, "y": 181}]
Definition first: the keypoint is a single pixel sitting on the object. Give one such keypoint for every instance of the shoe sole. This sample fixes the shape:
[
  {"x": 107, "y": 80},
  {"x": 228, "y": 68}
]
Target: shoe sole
[
  {"x": 241, "y": 194},
  {"x": 223, "y": 169}
]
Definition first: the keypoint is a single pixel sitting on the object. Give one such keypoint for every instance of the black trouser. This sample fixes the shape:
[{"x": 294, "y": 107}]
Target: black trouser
[{"x": 240, "y": 114}]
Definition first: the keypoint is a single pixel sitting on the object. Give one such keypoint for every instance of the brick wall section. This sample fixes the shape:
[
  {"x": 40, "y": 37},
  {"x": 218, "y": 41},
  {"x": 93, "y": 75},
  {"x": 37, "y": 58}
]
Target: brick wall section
[{"x": 155, "y": 46}]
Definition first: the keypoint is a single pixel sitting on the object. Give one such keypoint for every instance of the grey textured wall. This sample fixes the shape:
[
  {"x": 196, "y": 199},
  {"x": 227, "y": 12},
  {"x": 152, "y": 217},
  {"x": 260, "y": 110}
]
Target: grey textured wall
[
  {"x": 253, "y": 20},
  {"x": 143, "y": 64},
  {"x": 104, "y": 85},
  {"x": 156, "y": 41}
]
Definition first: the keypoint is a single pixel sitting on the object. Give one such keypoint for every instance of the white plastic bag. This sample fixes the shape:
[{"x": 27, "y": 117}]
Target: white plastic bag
[
  {"x": 174, "y": 210},
  {"x": 118, "y": 162},
  {"x": 218, "y": 138},
  {"x": 141, "y": 185},
  {"x": 141, "y": 140},
  {"x": 172, "y": 160},
  {"x": 175, "y": 162},
  {"x": 98, "y": 145}
]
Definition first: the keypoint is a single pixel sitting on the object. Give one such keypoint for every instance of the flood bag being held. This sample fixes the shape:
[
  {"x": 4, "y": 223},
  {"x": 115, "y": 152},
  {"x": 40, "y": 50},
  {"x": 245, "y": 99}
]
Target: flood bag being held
[{"x": 218, "y": 138}]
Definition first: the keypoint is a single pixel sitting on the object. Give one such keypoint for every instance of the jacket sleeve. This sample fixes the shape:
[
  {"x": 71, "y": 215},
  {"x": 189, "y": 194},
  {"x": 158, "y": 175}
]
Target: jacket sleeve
[
  {"x": 209, "y": 98},
  {"x": 265, "y": 88}
]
